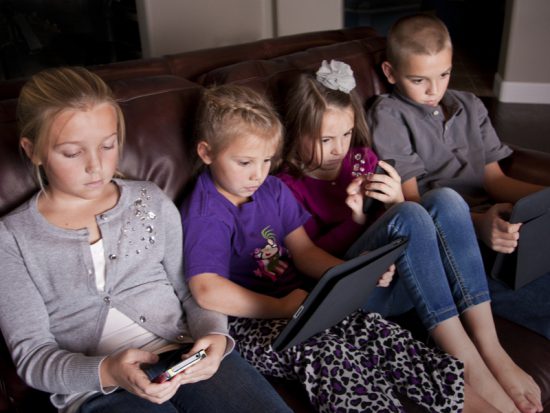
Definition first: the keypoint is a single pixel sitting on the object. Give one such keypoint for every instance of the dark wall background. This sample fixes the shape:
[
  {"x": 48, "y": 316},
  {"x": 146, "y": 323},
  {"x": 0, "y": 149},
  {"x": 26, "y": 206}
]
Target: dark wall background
[{"x": 35, "y": 34}]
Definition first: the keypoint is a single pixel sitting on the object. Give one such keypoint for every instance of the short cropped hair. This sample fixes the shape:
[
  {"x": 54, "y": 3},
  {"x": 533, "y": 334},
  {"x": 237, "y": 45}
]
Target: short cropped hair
[{"x": 420, "y": 34}]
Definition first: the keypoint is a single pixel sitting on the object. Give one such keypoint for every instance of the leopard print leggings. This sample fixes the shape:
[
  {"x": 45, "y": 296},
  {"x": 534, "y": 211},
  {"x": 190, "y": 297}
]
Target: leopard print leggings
[{"x": 357, "y": 365}]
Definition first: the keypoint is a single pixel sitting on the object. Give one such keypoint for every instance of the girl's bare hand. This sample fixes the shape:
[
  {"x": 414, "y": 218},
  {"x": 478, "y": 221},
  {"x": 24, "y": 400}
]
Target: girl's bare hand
[
  {"x": 354, "y": 199},
  {"x": 386, "y": 278},
  {"x": 386, "y": 188},
  {"x": 124, "y": 370},
  {"x": 214, "y": 345}
]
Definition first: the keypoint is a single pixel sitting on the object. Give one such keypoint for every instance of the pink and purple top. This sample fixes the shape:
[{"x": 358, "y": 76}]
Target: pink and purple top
[{"x": 331, "y": 226}]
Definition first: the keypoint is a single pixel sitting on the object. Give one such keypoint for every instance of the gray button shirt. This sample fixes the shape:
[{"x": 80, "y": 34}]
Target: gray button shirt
[{"x": 438, "y": 150}]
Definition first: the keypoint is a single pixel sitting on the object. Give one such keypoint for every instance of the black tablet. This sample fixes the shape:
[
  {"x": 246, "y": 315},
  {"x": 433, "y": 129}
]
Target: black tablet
[
  {"x": 342, "y": 290},
  {"x": 531, "y": 259}
]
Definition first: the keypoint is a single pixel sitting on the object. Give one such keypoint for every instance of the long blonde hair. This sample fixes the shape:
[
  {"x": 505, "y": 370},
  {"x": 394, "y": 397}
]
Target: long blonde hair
[{"x": 48, "y": 93}]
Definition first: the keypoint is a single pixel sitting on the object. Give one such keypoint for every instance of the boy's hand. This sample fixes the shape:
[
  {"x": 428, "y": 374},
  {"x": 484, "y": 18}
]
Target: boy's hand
[
  {"x": 386, "y": 278},
  {"x": 386, "y": 188},
  {"x": 496, "y": 232}
]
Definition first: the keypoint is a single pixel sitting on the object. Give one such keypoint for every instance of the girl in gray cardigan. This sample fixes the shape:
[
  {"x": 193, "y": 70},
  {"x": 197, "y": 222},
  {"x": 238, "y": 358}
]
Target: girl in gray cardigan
[{"x": 92, "y": 287}]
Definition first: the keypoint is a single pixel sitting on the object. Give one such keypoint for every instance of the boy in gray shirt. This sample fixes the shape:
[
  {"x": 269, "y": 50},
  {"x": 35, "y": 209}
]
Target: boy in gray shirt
[{"x": 441, "y": 137}]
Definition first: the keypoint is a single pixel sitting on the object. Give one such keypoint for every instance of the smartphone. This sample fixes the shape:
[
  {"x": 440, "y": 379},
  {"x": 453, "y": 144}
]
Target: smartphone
[
  {"x": 178, "y": 367},
  {"x": 368, "y": 202}
]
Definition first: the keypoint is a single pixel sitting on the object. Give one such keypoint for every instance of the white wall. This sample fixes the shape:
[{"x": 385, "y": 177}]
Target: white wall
[
  {"x": 524, "y": 65},
  {"x": 173, "y": 26},
  {"x": 300, "y": 16}
]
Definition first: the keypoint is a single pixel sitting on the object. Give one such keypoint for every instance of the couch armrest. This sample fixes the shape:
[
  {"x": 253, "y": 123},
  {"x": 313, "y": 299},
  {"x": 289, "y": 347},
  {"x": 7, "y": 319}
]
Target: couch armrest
[{"x": 528, "y": 165}]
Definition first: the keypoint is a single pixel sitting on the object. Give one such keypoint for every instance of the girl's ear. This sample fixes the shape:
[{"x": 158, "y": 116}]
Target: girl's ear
[
  {"x": 389, "y": 72},
  {"x": 28, "y": 147},
  {"x": 204, "y": 152}
]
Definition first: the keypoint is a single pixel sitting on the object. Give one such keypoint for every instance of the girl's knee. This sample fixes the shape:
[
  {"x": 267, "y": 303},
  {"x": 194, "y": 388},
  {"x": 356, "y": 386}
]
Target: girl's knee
[
  {"x": 414, "y": 214},
  {"x": 444, "y": 200}
]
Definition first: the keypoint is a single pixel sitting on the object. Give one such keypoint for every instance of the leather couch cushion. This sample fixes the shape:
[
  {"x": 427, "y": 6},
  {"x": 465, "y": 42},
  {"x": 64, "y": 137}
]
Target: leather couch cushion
[{"x": 160, "y": 114}]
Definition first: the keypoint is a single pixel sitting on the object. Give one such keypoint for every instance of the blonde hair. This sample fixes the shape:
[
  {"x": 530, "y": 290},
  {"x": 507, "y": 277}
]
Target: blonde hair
[
  {"x": 420, "y": 34},
  {"x": 306, "y": 103},
  {"x": 50, "y": 92},
  {"x": 226, "y": 111}
]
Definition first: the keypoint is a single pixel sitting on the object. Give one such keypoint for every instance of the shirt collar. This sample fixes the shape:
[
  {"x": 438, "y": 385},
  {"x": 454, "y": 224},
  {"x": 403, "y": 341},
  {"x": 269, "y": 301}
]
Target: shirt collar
[{"x": 449, "y": 103}]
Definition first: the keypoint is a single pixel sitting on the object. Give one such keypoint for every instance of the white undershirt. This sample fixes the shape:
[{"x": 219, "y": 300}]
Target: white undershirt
[{"x": 119, "y": 331}]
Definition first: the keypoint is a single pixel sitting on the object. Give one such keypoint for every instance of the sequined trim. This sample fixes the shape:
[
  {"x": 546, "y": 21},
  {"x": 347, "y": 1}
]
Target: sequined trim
[
  {"x": 144, "y": 224},
  {"x": 358, "y": 167}
]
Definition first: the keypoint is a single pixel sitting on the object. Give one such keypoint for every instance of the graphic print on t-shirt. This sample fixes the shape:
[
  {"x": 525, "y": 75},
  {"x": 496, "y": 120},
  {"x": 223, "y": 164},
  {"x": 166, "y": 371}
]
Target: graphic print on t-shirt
[{"x": 269, "y": 256}]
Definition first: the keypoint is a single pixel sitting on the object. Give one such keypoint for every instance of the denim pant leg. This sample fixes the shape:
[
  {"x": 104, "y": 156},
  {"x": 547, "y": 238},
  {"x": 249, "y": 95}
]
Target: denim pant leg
[
  {"x": 420, "y": 277},
  {"x": 122, "y": 401},
  {"x": 236, "y": 387},
  {"x": 441, "y": 270},
  {"x": 458, "y": 247}
]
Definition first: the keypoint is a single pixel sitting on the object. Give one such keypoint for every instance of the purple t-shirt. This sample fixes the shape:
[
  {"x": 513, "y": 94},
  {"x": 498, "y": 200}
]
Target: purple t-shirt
[
  {"x": 245, "y": 243},
  {"x": 331, "y": 226}
]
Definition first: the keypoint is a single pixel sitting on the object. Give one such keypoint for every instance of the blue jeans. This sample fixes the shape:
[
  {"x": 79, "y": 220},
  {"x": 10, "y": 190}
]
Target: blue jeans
[
  {"x": 441, "y": 272},
  {"x": 236, "y": 387}
]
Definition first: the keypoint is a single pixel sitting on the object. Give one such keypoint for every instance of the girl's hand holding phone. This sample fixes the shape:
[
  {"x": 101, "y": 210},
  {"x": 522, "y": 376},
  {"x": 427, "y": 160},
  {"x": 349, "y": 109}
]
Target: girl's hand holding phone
[
  {"x": 124, "y": 370},
  {"x": 384, "y": 186},
  {"x": 214, "y": 345}
]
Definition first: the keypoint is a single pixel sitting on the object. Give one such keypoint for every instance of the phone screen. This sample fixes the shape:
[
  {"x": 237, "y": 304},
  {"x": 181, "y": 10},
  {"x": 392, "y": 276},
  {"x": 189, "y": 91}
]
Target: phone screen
[{"x": 170, "y": 364}]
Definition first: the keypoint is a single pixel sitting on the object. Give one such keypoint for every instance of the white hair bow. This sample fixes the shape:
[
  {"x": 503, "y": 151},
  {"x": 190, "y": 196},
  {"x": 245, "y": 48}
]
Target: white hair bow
[{"x": 336, "y": 76}]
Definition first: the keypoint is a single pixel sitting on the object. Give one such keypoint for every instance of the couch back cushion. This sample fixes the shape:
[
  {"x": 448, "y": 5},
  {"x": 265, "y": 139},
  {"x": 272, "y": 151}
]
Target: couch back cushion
[
  {"x": 159, "y": 112},
  {"x": 364, "y": 57},
  {"x": 160, "y": 115}
]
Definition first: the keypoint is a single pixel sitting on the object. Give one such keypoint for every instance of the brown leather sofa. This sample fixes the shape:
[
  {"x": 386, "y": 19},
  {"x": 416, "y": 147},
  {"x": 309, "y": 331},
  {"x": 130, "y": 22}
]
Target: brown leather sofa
[{"x": 159, "y": 96}]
